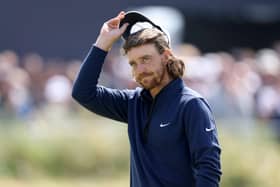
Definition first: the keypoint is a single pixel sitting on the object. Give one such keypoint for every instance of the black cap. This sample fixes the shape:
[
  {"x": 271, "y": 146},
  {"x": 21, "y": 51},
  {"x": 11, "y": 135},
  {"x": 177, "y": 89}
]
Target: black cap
[{"x": 133, "y": 17}]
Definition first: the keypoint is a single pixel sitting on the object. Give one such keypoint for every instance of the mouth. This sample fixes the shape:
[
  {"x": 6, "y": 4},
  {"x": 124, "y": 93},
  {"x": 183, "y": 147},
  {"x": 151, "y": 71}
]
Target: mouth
[{"x": 143, "y": 77}]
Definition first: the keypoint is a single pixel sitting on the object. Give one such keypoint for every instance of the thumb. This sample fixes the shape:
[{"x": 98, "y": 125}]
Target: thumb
[{"x": 123, "y": 28}]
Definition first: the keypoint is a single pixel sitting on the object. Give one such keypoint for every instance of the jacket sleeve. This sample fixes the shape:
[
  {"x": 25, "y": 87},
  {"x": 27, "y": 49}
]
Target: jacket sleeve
[
  {"x": 203, "y": 143},
  {"x": 111, "y": 103}
]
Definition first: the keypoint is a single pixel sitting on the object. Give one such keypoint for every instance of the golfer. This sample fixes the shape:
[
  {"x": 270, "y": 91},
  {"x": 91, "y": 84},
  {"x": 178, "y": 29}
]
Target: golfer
[{"x": 171, "y": 128}]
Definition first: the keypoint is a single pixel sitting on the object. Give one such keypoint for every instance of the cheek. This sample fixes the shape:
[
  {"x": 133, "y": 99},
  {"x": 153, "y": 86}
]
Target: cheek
[
  {"x": 133, "y": 73},
  {"x": 160, "y": 69},
  {"x": 135, "y": 76}
]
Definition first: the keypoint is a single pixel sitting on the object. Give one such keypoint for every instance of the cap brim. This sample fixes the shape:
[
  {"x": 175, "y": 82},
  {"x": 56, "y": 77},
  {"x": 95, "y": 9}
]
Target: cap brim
[{"x": 133, "y": 17}]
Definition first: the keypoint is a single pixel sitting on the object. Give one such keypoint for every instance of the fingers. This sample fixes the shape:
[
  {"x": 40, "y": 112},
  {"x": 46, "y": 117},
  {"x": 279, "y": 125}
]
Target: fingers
[
  {"x": 123, "y": 28},
  {"x": 121, "y": 15},
  {"x": 114, "y": 22}
]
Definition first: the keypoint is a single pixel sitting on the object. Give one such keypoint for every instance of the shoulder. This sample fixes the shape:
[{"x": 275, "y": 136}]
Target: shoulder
[
  {"x": 194, "y": 101},
  {"x": 189, "y": 94}
]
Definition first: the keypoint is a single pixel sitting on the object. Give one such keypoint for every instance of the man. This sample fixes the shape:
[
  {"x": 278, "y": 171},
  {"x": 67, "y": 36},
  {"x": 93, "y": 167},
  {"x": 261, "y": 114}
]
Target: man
[{"x": 171, "y": 129}]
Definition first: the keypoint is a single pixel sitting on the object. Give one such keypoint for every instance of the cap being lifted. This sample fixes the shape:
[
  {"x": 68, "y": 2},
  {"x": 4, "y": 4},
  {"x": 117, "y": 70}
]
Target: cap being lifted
[{"x": 138, "y": 21}]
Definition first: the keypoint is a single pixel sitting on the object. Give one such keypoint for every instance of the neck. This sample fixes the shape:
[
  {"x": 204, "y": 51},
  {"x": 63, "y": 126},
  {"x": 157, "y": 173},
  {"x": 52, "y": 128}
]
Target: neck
[{"x": 165, "y": 81}]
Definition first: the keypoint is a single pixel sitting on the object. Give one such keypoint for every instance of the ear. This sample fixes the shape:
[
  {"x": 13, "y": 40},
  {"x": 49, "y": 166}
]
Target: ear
[{"x": 166, "y": 56}]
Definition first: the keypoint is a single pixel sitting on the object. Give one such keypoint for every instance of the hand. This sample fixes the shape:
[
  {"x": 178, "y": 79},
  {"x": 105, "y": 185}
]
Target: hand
[{"x": 110, "y": 32}]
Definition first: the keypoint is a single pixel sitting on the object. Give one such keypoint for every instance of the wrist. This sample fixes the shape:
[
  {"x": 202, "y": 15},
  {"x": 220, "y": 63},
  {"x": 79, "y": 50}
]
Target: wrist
[{"x": 103, "y": 44}]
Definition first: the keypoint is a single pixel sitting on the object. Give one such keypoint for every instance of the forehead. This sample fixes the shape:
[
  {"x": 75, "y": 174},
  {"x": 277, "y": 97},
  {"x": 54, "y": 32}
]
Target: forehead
[{"x": 138, "y": 52}]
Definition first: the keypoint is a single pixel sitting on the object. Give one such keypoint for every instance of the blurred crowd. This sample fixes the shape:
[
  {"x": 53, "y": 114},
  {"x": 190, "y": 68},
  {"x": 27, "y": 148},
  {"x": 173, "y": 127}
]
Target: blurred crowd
[
  {"x": 30, "y": 84},
  {"x": 241, "y": 84}
]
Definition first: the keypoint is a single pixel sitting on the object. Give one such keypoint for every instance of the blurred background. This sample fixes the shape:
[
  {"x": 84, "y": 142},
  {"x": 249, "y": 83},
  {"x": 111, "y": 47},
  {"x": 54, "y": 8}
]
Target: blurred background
[{"x": 232, "y": 54}]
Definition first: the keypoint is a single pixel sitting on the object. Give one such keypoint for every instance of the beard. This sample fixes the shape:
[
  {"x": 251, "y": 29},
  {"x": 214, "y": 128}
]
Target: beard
[{"x": 150, "y": 80}]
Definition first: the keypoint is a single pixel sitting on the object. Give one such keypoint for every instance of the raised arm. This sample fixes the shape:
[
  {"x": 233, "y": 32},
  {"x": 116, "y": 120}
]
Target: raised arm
[
  {"x": 107, "y": 102},
  {"x": 110, "y": 32}
]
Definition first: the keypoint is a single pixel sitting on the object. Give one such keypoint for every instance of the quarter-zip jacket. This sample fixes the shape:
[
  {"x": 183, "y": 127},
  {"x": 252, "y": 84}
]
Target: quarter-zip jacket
[{"x": 173, "y": 138}]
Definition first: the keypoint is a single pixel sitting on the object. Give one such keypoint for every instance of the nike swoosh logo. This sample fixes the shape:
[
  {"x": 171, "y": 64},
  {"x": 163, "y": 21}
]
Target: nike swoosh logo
[
  {"x": 164, "y": 124},
  {"x": 209, "y": 129}
]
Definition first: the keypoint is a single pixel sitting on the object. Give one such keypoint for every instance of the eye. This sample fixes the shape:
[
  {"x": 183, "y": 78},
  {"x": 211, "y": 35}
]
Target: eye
[
  {"x": 146, "y": 59},
  {"x": 132, "y": 64}
]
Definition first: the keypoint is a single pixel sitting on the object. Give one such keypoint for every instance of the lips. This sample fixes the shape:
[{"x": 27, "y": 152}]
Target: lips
[{"x": 143, "y": 76}]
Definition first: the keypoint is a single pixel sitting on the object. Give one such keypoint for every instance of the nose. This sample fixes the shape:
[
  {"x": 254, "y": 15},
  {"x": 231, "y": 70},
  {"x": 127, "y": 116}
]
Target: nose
[{"x": 139, "y": 69}]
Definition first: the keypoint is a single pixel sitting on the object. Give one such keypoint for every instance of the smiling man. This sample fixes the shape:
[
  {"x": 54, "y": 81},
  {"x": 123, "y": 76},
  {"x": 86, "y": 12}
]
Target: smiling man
[{"x": 171, "y": 128}]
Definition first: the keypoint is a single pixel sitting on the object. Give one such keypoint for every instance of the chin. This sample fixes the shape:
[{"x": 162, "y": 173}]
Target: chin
[
  {"x": 148, "y": 86},
  {"x": 147, "y": 83}
]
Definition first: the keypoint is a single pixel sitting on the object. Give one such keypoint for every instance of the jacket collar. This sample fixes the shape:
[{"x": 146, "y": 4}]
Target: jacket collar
[{"x": 173, "y": 87}]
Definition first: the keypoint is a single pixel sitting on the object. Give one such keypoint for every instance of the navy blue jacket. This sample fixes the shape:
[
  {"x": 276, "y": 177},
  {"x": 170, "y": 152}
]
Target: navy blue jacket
[{"x": 173, "y": 137}]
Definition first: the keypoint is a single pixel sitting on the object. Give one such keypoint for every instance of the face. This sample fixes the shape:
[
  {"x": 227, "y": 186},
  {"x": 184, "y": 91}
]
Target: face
[{"x": 147, "y": 65}]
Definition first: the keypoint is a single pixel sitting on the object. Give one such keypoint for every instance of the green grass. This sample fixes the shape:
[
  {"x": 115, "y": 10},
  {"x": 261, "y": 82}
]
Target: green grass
[
  {"x": 87, "y": 150},
  {"x": 250, "y": 160},
  {"x": 121, "y": 181}
]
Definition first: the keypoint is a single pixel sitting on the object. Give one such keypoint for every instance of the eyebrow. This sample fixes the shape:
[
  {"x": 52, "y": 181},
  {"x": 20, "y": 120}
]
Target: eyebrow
[
  {"x": 140, "y": 58},
  {"x": 145, "y": 56}
]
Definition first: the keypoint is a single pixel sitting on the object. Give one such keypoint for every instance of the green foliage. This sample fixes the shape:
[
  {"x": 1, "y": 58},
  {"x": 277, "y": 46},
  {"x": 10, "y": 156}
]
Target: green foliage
[
  {"x": 63, "y": 151},
  {"x": 249, "y": 160},
  {"x": 95, "y": 147}
]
